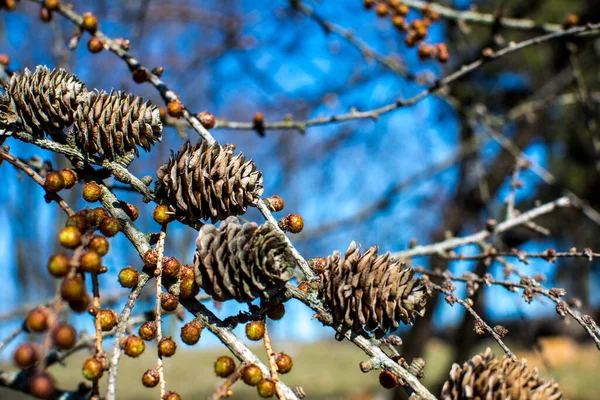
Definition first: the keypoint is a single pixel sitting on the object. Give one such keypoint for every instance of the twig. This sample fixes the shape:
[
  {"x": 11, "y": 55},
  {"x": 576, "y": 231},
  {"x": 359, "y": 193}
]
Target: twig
[
  {"x": 435, "y": 88},
  {"x": 480, "y": 320},
  {"x": 513, "y": 286},
  {"x": 207, "y": 318},
  {"x": 223, "y": 390},
  {"x": 11, "y": 337},
  {"x": 37, "y": 178},
  {"x": 396, "y": 66},
  {"x": 523, "y": 255},
  {"x": 380, "y": 358},
  {"x": 484, "y": 18},
  {"x": 445, "y": 245},
  {"x": 272, "y": 363},
  {"x": 160, "y": 247},
  {"x": 98, "y": 327}
]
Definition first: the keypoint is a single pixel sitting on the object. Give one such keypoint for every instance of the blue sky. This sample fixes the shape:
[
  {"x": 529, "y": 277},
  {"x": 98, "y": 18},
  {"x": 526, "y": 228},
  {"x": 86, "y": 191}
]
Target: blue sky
[{"x": 292, "y": 63}]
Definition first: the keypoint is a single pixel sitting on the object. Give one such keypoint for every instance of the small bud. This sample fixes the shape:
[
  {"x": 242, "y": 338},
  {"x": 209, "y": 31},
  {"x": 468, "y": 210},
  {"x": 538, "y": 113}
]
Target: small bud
[
  {"x": 368, "y": 4},
  {"x": 72, "y": 288},
  {"x": 151, "y": 259},
  {"x": 402, "y": 10},
  {"x": 54, "y": 182},
  {"x": 41, "y": 385},
  {"x": 276, "y": 312},
  {"x": 318, "y": 264},
  {"x": 284, "y": 363},
  {"x": 381, "y": 10},
  {"x": 89, "y": 23},
  {"x": 258, "y": 123},
  {"x": 570, "y": 21},
  {"x": 90, "y": 261},
  {"x": 163, "y": 113},
  {"x": 399, "y": 23},
  {"x": 188, "y": 288},
  {"x": 425, "y": 51},
  {"x": 410, "y": 40},
  {"x": 168, "y": 302},
  {"x": 443, "y": 57},
  {"x": 95, "y": 45},
  {"x": 162, "y": 215},
  {"x": 26, "y": 355},
  {"x": 158, "y": 71},
  {"x": 187, "y": 271},
  {"x": 224, "y": 366},
  {"x": 275, "y": 203},
  {"x": 388, "y": 379},
  {"x": 190, "y": 332},
  {"x": 98, "y": 214},
  {"x": 10, "y": 5},
  {"x": 419, "y": 27},
  {"x": 151, "y": 378},
  {"x": 171, "y": 395},
  {"x": 79, "y": 221},
  {"x": 140, "y": 75},
  {"x": 99, "y": 244},
  {"x": 109, "y": 226},
  {"x": 64, "y": 336},
  {"x": 266, "y": 388},
  {"x": 132, "y": 211},
  {"x": 293, "y": 223},
  {"x": 252, "y": 374},
  {"x": 92, "y": 192},
  {"x": 133, "y": 346},
  {"x": 167, "y": 347},
  {"x": 147, "y": 330},
  {"x": 128, "y": 277},
  {"x": 52, "y": 5},
  {"x": 59, "y": 265},
  {"x": 69, "y": 177},
  {"x": 171, "y": 267},
  {"x": 500, "y": 330},
  {"x": 37, "y": 320},
  {"x": 207, "y": 119},
  {"x": 125, "y": 44},
  {"x": 45, "y": 15},
  {"x": 175, "y": 108},
  {"x": 108, "y": 319},
  {"x": 81, "y": 304},
  {"x": 255, "y": 330},
  {"x": 92, "y": 369}
]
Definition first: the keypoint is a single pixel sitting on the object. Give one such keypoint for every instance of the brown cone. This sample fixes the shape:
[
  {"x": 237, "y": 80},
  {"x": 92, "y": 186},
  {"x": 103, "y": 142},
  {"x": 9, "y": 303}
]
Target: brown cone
[
  {"x": 205, "y": 182},
  {"x": 113, "y": 124},
  {"x": 241, "y": 262},
  {"x": 44, "y": 100},
  {"x": 370, "y": 291},
  {"x": 486, "y": 377}
]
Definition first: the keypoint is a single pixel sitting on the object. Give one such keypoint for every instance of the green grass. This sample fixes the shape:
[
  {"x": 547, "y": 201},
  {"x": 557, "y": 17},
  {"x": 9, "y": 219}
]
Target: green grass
[{"x": 326, "y": 370}]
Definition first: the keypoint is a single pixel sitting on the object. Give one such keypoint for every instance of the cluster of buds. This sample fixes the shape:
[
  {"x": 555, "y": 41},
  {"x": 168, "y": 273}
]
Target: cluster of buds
[{"x": 416, "y": 30}]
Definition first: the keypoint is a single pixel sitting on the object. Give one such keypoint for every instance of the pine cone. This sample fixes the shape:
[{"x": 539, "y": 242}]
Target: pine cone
[
  {"x": 242, "y": 262},
  {"x": 45, "y": 100},
  {"x": 209, "y": 182},
  {"x": 485, "y": 377},
  {"x": 112, "y": 124},
  {"x": 8, "y": 118},
  {"x": 370, "y": 291}
]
